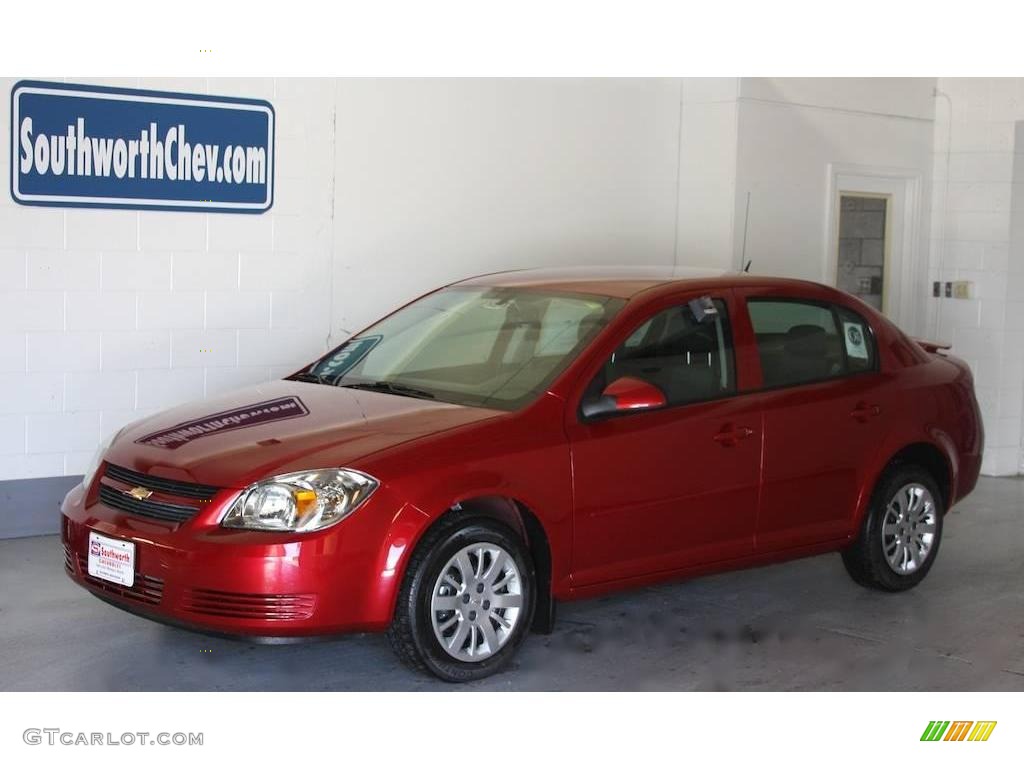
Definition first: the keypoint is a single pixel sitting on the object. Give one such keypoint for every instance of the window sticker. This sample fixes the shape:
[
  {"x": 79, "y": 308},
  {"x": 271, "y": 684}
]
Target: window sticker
[
  {"x": 349, "y": 355},
  {"x": 703, "y": 309},
  {"x": 856, "y": 344}
]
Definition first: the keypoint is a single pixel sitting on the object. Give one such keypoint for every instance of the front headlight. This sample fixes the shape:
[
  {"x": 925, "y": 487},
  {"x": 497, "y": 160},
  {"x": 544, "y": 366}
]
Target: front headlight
[
  {"x": 300, "y": 501},
  {"x": 96, "y": 460}
]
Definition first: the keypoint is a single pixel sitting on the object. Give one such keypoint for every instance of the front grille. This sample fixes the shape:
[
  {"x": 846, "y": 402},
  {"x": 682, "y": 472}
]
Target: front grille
[
  {"x": 146, "y": 589},
  {"x": 159, "y": 510},
  {"x": 69, "y": 561},
  {"x": 237, "y": 605},
  {"x": 170, "y": 487}
]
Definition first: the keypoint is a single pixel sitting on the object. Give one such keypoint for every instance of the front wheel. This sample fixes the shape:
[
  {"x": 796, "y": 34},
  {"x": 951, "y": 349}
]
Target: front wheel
[
  {"x": 466, "y": 602},
  {"x": 899, "y": 538}
]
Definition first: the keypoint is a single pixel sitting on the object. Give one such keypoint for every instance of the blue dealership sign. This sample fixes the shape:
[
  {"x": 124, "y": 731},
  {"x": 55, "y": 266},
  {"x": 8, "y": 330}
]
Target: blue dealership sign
[{"x": 95, "y": 147}]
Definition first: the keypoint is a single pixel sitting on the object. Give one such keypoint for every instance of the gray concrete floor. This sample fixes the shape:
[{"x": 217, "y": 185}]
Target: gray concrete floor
[{"x": 803, "y": 625}]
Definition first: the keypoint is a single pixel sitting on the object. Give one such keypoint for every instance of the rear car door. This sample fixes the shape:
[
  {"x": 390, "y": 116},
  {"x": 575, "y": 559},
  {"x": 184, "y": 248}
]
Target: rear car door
[
  {"x": 824, "y": 401},
  {"x": 664, "y": 489}
]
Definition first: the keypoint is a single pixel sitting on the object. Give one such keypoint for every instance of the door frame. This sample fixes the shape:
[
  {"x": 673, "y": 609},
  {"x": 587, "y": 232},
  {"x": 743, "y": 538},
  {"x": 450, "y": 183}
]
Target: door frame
[{"x": 902, "y": 188}]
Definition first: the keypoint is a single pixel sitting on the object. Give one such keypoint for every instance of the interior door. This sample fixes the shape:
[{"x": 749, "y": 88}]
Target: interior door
[
  {"x": 663, "y": 489},
  {"x": 824, "y": 403}
]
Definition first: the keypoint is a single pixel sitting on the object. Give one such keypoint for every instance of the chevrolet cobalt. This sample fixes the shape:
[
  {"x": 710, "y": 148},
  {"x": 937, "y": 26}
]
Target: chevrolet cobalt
[{"x": 507, "y": 442}]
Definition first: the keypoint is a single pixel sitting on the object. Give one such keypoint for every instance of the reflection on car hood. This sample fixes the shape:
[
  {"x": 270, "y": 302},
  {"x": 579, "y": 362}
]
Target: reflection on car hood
[{"x": 235, "y": 439}]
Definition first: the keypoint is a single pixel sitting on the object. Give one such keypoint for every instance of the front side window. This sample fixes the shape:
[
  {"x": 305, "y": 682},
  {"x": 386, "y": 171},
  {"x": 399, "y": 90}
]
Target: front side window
[
  {"x": 470, "y": 345},
  {"x": 688, "y": 358},
  {"x": 800, "y": 341}
]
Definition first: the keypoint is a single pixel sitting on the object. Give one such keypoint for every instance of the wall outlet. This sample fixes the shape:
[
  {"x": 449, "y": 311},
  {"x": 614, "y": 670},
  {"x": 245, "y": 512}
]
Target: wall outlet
[{"x": 963, "y": 289}]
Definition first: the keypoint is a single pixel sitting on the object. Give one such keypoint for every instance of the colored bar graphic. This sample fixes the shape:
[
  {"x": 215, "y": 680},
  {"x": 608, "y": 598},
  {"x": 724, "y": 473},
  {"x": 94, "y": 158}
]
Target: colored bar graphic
[
  {"x": 935, "y": 730},
  {"x": 960, "y": 730},
  {"x": 982, "y": 730}
]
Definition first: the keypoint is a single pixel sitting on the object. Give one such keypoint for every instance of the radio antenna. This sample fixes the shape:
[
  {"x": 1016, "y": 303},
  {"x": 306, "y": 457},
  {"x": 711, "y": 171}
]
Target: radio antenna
[{"x": 746, "y": 222}]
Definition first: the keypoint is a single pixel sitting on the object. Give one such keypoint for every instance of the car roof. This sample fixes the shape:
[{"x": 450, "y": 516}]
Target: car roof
[{"x": 621, "y": 282}]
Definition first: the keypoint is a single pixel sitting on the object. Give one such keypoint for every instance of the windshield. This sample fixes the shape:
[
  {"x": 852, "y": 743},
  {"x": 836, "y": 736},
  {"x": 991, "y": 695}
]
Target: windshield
[{"x": 498, "y": 347}]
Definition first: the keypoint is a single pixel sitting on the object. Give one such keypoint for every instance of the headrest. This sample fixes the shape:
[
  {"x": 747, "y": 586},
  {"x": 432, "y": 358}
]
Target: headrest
[
  {"x": 699, "y": 343},
  {"x": 806, "y": 341}
]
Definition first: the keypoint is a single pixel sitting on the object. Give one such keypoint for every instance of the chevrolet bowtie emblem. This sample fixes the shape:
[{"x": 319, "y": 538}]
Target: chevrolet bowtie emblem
[{"x": 139, "y": 493}]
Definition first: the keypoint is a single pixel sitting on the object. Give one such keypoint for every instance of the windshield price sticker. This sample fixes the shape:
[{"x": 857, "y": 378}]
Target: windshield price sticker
[{"x": 346, "y": 358}]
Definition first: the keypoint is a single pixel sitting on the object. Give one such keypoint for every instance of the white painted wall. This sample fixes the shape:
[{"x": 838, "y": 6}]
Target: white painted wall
[
  {"x": 790, "y": 131},
  {"x": 884, "y": 97},
  {"x": 978, "y": 235},
  {"x": 439, "y": 180},
  {"x": 709, "y": 126}
]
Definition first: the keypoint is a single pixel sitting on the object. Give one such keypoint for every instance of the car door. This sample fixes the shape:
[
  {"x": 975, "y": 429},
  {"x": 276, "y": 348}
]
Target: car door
[
  {"x": 823, "y": 399},
  {"x": 663, "y": 489}
]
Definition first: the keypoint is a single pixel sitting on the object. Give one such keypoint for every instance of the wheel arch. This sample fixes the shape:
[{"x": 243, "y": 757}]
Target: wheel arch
[
  {"x": 931, "y": 457},
  {"x": 522, "y": 519}
]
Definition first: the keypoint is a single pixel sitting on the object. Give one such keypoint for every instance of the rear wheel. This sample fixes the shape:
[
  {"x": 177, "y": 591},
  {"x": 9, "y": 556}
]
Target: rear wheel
[
  {"x": 900, "y": 535},
  {"x": 466, "y": 601}
]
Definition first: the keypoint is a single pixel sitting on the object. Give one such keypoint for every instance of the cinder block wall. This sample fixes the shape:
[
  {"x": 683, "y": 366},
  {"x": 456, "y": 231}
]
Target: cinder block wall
[
  {"x": 106, "y": 316},
  {"x": 977, "y": 206}
]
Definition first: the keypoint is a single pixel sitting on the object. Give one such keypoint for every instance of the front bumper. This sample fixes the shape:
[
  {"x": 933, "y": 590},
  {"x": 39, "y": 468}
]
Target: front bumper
[{"x": 261, "y": 585}]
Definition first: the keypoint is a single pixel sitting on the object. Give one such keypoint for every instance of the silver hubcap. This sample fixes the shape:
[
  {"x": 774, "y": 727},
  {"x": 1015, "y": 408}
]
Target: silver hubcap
[
  {"x": 908, "y": 531},
  {"x": 476, "y": 602}
]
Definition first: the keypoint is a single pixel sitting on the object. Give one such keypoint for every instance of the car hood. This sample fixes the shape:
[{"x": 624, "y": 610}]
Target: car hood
[{"x": 238, "y": 438}]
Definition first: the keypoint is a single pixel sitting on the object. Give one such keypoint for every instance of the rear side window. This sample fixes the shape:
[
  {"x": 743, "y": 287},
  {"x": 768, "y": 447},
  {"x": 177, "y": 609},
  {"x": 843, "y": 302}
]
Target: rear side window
[{"x": 800, "y": 342}]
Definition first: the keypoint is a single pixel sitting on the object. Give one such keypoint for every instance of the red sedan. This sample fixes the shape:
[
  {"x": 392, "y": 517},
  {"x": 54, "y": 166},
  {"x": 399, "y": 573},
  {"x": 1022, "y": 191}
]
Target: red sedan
[{"x": 513, "y": 440}]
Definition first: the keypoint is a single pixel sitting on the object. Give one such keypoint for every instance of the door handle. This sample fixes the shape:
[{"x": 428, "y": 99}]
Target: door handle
[
  {"x": 863, "y": 412},
  {"x": 729, "y": 435}
]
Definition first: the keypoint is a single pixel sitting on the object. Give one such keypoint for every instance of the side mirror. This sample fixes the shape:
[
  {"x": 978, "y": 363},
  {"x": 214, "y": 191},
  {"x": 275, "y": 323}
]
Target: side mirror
[{"x": 625, "y": 394}]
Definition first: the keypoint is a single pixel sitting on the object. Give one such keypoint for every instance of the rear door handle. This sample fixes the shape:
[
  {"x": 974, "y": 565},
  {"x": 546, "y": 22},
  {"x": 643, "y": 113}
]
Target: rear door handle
[
  {"x": 730, "y": 434},
  {"x": 863, "y": 412}
]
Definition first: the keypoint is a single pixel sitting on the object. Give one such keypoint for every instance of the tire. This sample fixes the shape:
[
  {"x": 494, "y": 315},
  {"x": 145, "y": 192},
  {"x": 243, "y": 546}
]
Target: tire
[
  {"x": 424, "y": 633},
  {"x": 885, "y": 560}
]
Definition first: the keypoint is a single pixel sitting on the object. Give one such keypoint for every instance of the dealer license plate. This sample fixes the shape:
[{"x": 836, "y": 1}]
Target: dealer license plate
[{"x": 112, "y": 560}]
